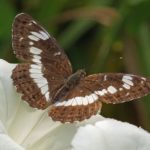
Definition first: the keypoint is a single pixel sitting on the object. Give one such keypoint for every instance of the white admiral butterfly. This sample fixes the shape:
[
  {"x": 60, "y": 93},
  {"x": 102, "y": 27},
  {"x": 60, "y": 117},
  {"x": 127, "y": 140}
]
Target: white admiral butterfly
[{"x": 46, "y": 78}]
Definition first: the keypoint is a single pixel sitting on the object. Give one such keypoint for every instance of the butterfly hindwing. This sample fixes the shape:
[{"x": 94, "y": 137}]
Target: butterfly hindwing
[
  {"x": 78, "y": 104},
  {"x": 46, "y": 67}
]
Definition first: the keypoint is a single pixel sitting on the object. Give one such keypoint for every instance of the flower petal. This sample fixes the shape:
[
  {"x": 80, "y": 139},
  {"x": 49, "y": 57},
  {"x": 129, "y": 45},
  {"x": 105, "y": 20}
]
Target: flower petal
[
  {"x": 36, "y": 130},
  {"x": 111, "y": 134},
  {"x": 2, "y": 103},
  {"x": 8, "y": 99},
  {"x": 6, "y": 143},
  {"x": 56, "y": 136}
]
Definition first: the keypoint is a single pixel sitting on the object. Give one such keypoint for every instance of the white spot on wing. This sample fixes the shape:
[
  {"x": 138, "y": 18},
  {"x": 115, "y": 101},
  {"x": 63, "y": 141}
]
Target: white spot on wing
[
  {"x": 40, "y": 85},
  {"x": 90, "y": 99},
  {"x": 30, "y": 24},
  {"x": 36, "y": 76},
  {"x": 57, "y": 53},
  {"x": 128, "y": 77},
  {"x": 74, "y": 103},
  {"x": 35, "y": 71},
  {"x": 45, "y": 34},
  {"x": 105, "y": 77},
  {"x": 126, "y": 86},
  {"x": 99, "y": 93},
  {"x": 143, "y": 78},
  {"x": 69, "y": 102},
  {"x": 129, "y": 82},
  {"x": 40, "y": 35},
  {"x": 120, "y": 89},
  {"x": 60, "y": 103},
  {"x": 36, "y": 66},
  {"x": 85, "y": 101},
  {"x": 95, "y": 97},
  {"x": 31, "y": 43},
  {"x": 44, "y": 89},
  {"x": 47, "y": 96},
  {"x": 34, "y": 22},
  {"x": 112, "y": 89},
  {"x": 79, "y": 100},
  {"x": 34, "y": 38},
  {"x": 41, "y": 80},
  {"x": 20, "y": 39},
  {"x": 104, "y": 91},
  {"x": 37, "y": 59},
  {"x": 35, "y": 50}
]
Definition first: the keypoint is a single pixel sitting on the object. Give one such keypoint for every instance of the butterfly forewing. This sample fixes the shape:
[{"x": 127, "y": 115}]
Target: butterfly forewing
[
  {"x": 33, "y": 44},
  {"x": 117, "y": 87},
  {"x": 46, "y": 66}
]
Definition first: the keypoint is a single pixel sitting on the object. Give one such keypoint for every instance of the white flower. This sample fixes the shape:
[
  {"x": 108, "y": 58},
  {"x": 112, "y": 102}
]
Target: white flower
[
  {"x": 111, "y": 134},
  {"x": 22, "y": 127}
]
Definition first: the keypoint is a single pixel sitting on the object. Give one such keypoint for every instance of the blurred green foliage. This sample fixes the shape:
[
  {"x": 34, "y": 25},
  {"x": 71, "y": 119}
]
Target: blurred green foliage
[{"x": 98, "y": 35}]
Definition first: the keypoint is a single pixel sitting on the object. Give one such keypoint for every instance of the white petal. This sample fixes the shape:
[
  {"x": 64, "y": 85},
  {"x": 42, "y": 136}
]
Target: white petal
[
  {"x": 55, "y": 131},
  {"x": 111, "y": 134},
  {"x": 6, "y": 143},
  {"x": 2, "y": 103},
  {"x": 9, "y": 99}
]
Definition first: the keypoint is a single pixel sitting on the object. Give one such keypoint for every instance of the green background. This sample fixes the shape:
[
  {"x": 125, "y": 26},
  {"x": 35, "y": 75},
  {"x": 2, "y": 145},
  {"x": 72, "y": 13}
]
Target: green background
[{"x": 98, "y": 35}]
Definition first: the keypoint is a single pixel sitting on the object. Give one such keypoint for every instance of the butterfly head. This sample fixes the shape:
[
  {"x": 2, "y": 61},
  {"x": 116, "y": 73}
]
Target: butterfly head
[{"x": 81, "y": 73}]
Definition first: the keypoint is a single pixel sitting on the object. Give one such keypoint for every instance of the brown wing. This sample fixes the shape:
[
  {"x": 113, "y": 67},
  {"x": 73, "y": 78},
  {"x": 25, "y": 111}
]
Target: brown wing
[
  {"x": 46, "y": 65},
  {"x": 85, "y": 99},
  {"x": 78, "y": 104},
  {"x": 117, "y": 87}
]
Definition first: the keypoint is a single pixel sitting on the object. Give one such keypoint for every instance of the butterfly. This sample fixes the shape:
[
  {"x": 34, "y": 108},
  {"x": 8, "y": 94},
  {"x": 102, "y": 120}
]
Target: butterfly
[{"x": 46, "y": 79}]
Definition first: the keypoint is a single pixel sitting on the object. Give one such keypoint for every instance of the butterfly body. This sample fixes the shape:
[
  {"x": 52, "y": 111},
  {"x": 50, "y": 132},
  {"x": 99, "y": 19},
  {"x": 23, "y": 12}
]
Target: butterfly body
[
  {"x": 75, "y": 78},
  {"x": 45, "y": 79},
  {"x": 69, "y": 84}
]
